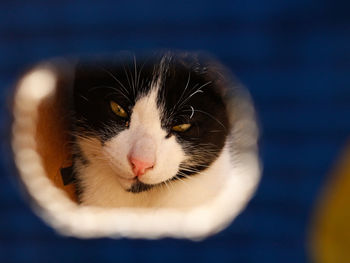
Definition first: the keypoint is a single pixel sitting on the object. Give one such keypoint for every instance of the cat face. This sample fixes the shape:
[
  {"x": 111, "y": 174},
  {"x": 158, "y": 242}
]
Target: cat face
[{"x": 151, "y": 120}]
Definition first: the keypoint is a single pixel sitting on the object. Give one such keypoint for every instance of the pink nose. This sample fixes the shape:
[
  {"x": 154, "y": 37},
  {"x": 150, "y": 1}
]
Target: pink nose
[{"x": 139, "y": 167}]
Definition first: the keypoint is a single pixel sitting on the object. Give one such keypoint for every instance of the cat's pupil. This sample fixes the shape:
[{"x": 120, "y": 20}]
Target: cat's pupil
[{"x": 117, "y": 109}]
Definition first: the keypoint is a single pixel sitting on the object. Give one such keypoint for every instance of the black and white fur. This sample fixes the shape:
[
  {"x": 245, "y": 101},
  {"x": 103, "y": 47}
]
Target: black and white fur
[{"x": 158, "y": 93}]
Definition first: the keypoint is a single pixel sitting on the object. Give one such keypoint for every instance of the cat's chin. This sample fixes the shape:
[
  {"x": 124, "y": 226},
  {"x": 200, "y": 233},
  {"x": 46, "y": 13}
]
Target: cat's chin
[
  {"x": 133, "y": 185},
  {"x": 125, "y": 183}
]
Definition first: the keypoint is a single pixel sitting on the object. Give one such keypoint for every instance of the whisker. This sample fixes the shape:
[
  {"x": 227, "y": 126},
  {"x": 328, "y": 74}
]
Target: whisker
[
  {"x": 166, "y": 184},
  {"x": 183, "y": 175},
  {"x": 188, "y": 81},
  {"x": 189, "y": 170},
  {"x": 117, "y": 91},
  {"x": 192, "y": 112},
  {"x": 128, "y": 79},
  {"x": 195, "y": 92},
  {"x": 116, "y": 79},
  {"x": 139, "y": 76},
  {"x": 211, "y": 116},
  {"x": 84, "y": 97},
  {"x": 135, "y": 74},
  {"x": 181, "y": 180},
  {"x": 121, "y": 93}
]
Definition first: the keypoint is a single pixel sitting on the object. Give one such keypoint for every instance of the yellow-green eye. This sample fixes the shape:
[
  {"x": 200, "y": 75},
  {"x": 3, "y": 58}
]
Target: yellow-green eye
[
  {"x": 117, "y": 109},
  {"x": 181, "y": 127}
]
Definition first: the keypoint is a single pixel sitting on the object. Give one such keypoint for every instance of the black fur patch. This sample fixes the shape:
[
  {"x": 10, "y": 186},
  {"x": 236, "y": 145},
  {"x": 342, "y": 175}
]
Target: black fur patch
[{"x": 138, "y": 187}]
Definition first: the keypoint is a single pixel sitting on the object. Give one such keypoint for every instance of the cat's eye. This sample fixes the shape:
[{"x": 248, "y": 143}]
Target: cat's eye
[
  {"x": 181, "y": 127},
  {"x": 118, "y": 110}
]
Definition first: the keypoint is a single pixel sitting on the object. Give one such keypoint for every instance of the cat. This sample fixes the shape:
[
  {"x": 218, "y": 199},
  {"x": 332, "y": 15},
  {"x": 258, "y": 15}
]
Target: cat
[{"x": 152, "y": 131}]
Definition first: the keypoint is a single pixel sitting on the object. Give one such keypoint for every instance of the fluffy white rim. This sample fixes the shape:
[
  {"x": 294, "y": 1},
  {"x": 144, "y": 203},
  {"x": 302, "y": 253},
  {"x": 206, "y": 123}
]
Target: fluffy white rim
[{"x": 70, "y": 219}]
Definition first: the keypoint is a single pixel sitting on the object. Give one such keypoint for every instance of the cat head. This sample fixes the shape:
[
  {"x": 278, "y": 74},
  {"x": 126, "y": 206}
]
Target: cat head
[{"x": 150, "y": 120}]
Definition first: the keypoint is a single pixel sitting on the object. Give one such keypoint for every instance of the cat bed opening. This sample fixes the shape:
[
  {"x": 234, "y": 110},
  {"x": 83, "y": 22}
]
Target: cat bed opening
[{"x": 41, "y": 147}]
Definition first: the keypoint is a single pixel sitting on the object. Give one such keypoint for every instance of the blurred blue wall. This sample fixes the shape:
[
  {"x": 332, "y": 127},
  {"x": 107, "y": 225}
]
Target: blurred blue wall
[{"x": 294, "y": 57}]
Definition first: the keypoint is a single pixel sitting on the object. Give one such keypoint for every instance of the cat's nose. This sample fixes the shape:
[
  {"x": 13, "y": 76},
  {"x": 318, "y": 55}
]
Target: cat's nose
[{"x": 139, "y": 167}]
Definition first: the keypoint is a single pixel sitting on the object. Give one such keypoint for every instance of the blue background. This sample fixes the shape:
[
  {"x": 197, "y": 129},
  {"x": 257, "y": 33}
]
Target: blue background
[{"x": 293, "y": 56}]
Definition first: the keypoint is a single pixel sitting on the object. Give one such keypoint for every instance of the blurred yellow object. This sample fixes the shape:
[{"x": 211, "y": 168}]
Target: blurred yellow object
[{"x": 330, "y": 229}]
